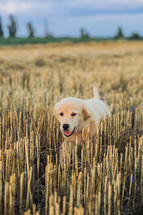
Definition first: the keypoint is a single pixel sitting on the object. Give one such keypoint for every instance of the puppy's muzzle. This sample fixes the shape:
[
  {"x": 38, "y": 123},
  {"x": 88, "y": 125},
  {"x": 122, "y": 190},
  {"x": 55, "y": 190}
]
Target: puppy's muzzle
[{"x": 66, "y": 127}]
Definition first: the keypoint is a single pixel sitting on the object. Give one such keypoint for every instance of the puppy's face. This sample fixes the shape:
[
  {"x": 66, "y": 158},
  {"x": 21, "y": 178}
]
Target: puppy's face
[{"x": 71, "y": 114}]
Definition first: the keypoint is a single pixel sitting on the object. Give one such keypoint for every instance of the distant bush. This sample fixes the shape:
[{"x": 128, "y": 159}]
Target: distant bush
[
  {"x": 135, "y": 36},
  {"x": 49, "y": 36}
]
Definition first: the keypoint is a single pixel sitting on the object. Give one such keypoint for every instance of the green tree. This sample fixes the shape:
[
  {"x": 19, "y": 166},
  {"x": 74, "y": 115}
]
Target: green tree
[
  {"x": 83, "y": 34},
  {"x": 12, "y": 27},
  {"x": 119, "y": 34},
  {"x": 1, "y": 29},
  {"x": 30, "y": 30}
]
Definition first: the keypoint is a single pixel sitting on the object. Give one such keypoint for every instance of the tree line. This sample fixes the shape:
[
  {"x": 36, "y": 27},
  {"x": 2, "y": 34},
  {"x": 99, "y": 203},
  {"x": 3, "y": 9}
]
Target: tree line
[
  {"x": 12, "y": 28},
  {"x": 118, "y": 35},
  {"x": 12, "y": 31}
]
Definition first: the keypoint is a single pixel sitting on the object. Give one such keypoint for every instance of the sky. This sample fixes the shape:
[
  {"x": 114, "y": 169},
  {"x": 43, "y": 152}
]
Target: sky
[{"x": 100, "y": 18}]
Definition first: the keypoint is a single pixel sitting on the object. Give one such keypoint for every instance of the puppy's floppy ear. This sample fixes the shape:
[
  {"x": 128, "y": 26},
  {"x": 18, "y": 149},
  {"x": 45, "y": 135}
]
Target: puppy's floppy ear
[
  {"x": 55, "y": 111},
  {"x": 85, "y": 113}
]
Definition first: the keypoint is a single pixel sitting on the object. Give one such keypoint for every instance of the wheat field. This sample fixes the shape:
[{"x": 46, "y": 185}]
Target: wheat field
[{"x": 107, "y": 176}]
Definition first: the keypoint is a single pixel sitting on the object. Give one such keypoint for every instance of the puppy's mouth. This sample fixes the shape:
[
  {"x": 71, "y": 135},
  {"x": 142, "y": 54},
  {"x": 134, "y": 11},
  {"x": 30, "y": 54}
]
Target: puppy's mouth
[{"x": 68, "y": 133}]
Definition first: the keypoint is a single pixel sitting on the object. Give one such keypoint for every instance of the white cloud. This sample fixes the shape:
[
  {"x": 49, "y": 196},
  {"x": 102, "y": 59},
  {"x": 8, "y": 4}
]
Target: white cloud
[
  {"x": 107, "y": 3},
  {"x": 67, "y": 7},
  {"x": 14, "y": 7}
]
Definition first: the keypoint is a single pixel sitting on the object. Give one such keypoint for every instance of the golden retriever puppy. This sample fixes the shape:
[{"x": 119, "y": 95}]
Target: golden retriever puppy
[{"x": 74, "y": 115}]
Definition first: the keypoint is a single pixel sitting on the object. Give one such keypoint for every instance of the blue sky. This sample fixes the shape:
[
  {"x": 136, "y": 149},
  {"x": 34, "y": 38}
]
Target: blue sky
[{"x": 66, "y": 17}]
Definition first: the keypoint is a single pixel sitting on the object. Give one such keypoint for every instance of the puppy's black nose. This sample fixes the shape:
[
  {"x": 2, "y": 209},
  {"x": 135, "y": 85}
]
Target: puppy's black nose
[{"x": 65, "y": 126}]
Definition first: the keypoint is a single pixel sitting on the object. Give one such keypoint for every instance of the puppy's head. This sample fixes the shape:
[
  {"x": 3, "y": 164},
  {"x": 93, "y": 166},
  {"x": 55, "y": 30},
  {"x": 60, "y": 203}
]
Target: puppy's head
[{"x": 71, "y": 113}]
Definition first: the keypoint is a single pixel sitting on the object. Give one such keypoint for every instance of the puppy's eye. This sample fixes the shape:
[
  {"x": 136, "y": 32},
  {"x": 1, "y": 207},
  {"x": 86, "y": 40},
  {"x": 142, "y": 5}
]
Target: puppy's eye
[
  {"x": 61, "y": 114},
  {"x": 73, "y": 114}
]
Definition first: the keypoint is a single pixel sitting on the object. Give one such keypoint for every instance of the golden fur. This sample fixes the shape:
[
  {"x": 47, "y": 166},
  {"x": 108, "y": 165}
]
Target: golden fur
[{"x": 79, "y": 114}]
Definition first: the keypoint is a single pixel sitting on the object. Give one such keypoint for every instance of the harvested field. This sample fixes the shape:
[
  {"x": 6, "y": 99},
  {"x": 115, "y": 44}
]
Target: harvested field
[{"x": 102, "y": 180}]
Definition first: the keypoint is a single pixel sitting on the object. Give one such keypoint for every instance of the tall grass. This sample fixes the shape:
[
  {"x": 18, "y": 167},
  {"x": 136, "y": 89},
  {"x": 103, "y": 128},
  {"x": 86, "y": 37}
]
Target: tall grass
[{"x": 106, "y": 177}]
